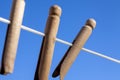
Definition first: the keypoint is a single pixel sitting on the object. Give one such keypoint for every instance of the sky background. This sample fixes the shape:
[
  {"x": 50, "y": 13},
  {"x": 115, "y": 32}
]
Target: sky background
[{"x": 104, "y": 39}]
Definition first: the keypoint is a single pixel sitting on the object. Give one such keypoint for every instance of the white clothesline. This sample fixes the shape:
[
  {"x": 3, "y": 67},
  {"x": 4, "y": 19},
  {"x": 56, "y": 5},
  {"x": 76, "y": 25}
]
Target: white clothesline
[{"x": 61, "y": 41}]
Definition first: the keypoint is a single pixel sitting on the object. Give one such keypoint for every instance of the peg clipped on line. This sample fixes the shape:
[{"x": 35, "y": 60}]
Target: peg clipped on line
[
  {"x": 47, "y": 48},
  {"x": 74, "y": 50},
  {"x": 12, "y": 37}
]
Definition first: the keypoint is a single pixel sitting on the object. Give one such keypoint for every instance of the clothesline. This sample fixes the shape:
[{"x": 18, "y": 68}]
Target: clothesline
[{"x": 61, "y": 41}]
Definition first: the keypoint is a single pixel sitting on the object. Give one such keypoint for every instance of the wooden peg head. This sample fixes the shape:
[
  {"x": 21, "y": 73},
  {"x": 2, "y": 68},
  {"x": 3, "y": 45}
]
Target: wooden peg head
[
  {"x": 91, "y": 22},
  {"x": 55, "y": 10}
]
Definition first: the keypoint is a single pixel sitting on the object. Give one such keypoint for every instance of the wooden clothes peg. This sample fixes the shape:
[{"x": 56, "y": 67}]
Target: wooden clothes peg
[
  {"x": 47, "y": 49},
  {"x": 12, "y": 37},
  {"x": 74, "y": 50}
]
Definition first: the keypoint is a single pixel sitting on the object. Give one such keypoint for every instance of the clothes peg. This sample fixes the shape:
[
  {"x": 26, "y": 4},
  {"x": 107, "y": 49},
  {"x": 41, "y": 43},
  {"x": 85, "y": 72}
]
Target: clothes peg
[
  {"x": 47, "y": 49},
  {"x": 12, "y": 37},
  {"x": 74, "y": 50}
]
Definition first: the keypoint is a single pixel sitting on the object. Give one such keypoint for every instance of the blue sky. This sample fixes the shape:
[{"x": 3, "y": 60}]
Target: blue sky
[{"x": 104, "y": 39}]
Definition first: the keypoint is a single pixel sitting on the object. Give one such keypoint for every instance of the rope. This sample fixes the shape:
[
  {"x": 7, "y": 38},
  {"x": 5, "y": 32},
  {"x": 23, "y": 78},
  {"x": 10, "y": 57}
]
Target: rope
[{"x": 61, "y": 41}]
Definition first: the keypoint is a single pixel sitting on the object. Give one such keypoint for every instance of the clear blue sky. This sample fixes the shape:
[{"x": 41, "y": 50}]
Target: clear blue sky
[{"x": 105, "y": 38}]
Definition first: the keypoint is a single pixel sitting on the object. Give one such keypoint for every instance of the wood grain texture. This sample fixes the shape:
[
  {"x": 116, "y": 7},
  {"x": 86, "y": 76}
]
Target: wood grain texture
[
  {"x": 12, "y": 37},
  {"x": 74, "y": 50},
  {"x": 47, "y": 49}
]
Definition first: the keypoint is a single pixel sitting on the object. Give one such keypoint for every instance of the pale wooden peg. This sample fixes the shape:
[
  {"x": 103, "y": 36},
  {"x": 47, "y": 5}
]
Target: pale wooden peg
[
  {"x": 74, "y": 50},
  {"x": 47, "y": 49},
  {"x": 12, "y": 37}
]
